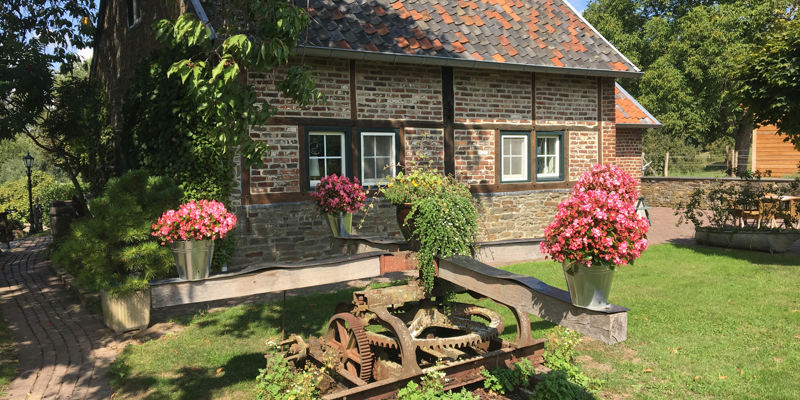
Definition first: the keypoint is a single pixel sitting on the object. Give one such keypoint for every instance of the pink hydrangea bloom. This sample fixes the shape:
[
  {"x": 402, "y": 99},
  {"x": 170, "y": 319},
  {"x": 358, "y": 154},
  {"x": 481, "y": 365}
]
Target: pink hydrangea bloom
[
  {"x": 598, "y": 222},
  {"x": 334, "y": 194},
  {"x": 205, "y": 219}
]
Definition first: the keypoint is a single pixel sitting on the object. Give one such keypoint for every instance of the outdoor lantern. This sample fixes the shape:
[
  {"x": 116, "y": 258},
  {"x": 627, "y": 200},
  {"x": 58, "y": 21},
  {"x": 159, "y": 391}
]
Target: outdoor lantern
[{"x": 28, "y": 161}]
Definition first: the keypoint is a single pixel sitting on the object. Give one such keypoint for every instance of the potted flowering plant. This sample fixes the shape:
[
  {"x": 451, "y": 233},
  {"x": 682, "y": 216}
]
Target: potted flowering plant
[
  {"x": 190, "y": 232},
  {"x": 338, "y": 198},
  {"x": 595, "y": 230}
]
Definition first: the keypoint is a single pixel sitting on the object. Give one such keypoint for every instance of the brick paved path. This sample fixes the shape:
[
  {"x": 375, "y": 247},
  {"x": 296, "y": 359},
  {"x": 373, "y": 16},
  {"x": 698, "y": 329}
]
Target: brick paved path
[{"x": 64, "y": 352}]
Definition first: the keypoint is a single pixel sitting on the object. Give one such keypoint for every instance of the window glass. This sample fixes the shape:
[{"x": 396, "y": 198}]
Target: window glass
[
  {"x": 134, "y": 12},
  {"x": 378, "y": 156},
  {"x": 548, "y": 156},
  {"x": 325, "y": 155},
  {"x": 514, "y": 157}
]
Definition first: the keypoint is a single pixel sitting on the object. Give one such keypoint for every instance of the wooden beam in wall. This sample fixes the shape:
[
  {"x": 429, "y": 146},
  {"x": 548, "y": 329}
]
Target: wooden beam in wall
[
  {"x": 533, "y": 99},
  {"x": 599, "y": 120},
  {"x": 449, "y": 112},
  {"x": 353, "y": 98}
]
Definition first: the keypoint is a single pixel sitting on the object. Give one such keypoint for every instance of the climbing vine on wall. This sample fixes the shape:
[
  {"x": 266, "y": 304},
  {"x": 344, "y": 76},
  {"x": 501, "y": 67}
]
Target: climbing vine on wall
[{"x": 166, "y": 134}]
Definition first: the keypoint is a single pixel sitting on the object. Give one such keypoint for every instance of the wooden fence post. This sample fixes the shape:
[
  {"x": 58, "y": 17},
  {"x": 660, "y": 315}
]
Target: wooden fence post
[
  {"x": 728, "y": 160},
  {"x": 666, "y": 164}
]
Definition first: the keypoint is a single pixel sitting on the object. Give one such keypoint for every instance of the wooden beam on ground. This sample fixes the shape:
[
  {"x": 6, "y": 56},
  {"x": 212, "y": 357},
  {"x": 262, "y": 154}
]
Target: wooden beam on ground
[
  {"x": 535, "y": 297},
  {"x": 266, "y": 278}
]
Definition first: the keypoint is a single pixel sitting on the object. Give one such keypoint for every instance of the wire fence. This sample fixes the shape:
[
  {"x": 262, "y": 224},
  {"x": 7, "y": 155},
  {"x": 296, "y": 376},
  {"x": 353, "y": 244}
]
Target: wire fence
[{"x": 720, "y": 164}]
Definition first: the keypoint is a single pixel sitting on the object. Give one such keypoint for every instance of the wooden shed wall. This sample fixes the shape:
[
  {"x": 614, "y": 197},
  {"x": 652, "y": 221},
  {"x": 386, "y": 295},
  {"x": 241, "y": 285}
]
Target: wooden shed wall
[{"x": 772, "y": 153}]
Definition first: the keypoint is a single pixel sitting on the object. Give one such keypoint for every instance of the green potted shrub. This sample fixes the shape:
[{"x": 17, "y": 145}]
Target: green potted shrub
[
  {"x": 113, "y": 252},
  {"x": 743, "y": 214},
  {"x": 437, "y": 215}
]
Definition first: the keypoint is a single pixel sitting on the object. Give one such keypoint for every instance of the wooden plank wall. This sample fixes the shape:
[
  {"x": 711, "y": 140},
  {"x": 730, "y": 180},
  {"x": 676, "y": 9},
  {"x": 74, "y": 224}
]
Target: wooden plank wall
[{"x": 772, "y": 153}]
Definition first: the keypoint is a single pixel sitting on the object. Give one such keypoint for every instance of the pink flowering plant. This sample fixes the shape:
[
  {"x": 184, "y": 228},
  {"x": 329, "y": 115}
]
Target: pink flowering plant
[
  {"x": 598, "y": 222},
  {"x": 204, "y": 219},
  {"x": 337, "y": 194}
]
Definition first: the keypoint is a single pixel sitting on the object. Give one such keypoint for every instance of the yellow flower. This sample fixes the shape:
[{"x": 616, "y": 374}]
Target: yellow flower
[
  {"x": 415, "y": 183},
  {"x": 390, "y": 184}
]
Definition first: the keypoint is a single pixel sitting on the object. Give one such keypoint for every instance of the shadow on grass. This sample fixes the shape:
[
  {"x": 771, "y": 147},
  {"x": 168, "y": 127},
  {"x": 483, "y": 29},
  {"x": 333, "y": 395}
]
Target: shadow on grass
[
  {"x": 195, "y": 383},
  {"x": 754, "y": 257}
]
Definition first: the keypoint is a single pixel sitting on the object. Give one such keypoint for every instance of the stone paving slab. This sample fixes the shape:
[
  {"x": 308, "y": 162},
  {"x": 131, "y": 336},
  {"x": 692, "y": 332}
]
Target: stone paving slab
[{"x": 64, "y": 352}]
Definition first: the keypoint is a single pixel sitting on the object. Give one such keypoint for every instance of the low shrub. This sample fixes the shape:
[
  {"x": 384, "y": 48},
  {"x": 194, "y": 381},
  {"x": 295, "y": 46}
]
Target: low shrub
[
  {"x": 15, "y": 194},
  {"x": 55, "y": 192},
  {"x": 503, "y": 380},
  {"x": 557, "y": 386},
  {"x": 280, "y": 381},
  {"x": 432, "y": 389},
  {"x": 114, "y": 250}
]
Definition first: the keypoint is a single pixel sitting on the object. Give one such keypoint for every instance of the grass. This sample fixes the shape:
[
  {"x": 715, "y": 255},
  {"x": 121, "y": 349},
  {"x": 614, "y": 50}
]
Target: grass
[
  {"x": 8, "y": 356},
  {"x": 695, "y": 312}
]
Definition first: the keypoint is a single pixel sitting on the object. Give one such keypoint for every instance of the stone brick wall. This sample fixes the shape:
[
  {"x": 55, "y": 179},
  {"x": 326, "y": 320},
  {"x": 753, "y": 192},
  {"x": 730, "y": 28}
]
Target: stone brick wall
[
  {"x": 332, "y": 78},
  {"x": 119, "y": 49},
  {"x": 386, "y": 91},
  {"x": 562, "y": 99},
  {"x": 668, "y": 192},
  {"x": 582, "y": 152},
  {"x": 296, "y": 231},
  {"x": 281, "y": 173},
  {"x": 520, "y": 215},
  {"x": 492, "y": 96},
  {"x": 475, "y": 156},
  {"x": 626, "y": 152},
  {"x": 425, "y": 146}
]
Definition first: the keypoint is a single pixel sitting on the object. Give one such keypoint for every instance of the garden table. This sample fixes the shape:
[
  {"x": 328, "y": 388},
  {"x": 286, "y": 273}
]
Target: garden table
[{"x": 773, "y": 207}]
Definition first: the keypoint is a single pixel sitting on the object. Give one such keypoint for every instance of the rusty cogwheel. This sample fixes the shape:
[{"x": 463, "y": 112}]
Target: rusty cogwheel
[{"x": 347, "y": 336}]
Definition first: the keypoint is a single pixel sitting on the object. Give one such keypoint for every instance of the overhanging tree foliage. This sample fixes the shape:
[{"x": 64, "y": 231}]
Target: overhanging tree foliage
[
  {"x": 771, "y": 78},
  {"x": 244, "y": 35},
  {"x": 35, "y": 36},
  {"x": 689, "y": 50}
]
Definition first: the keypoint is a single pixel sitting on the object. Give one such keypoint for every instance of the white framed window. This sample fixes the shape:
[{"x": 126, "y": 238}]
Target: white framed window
[
  {"x": 134, "y": 12},
  {"x": 514, "y": 154},
  {"x": 549, "y": 156},
  {"x": 326, "y": 155},
  {"x": 378, "y": 156}
]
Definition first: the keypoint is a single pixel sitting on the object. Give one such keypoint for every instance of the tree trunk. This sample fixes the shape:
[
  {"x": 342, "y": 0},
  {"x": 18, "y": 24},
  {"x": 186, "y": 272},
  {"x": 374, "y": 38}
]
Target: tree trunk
[{"x": 743, "y": 137}]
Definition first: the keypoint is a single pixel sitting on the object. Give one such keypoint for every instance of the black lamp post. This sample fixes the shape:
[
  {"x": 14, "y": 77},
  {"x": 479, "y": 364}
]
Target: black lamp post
[{"x": 28, "y": 164}]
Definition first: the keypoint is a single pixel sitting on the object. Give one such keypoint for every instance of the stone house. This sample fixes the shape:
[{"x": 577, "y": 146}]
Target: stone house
[{"x": 515, "y": 97}]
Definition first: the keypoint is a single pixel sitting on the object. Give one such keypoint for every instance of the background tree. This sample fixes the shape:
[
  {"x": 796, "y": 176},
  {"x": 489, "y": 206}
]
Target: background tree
[
  {"x": 36, "y": 36},
  {"x": 770, "y": 73},
  {"x": 243, "y": 35},
  {"x": 689, "y": 50}
]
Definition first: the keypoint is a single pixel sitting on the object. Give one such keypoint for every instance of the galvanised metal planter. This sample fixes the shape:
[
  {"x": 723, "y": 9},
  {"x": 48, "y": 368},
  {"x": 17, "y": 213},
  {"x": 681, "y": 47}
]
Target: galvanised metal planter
[
  {"x": 766, "y": 241},
  {"x": 193, "y": 258},
  {"x": 589, "y": 286},
  {"x": 339, "y": 222}
]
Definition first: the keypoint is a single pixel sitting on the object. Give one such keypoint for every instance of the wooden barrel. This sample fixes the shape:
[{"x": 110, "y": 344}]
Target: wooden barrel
[{"x": 61, "y": 213}]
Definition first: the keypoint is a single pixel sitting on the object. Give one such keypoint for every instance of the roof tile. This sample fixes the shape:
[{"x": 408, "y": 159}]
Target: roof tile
[
  {"x": 536, "y": 32},
  {"x": 629, "y": 111}
]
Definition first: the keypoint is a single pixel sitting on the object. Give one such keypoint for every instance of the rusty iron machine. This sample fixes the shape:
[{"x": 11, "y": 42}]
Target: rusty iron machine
[{"x": 389, "y": 336}]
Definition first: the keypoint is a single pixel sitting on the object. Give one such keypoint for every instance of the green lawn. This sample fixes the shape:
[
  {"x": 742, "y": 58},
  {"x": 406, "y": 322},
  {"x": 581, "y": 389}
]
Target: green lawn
[{"x": 695, "y": 312}]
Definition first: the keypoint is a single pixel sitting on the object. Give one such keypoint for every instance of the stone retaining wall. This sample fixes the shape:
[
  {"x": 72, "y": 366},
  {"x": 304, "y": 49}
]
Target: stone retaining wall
[{"x": 668, "y": 192}]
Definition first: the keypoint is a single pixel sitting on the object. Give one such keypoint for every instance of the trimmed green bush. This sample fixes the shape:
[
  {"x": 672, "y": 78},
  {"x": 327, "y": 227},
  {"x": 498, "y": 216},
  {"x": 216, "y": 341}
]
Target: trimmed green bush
[
  {"x": 15, "y": 194},
  {"x": 114, "y": 250}
]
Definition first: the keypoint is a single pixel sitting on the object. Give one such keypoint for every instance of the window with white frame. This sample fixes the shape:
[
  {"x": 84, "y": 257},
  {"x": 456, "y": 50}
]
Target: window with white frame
[
  {"x": 134, "y": 12},
  {"x": 549, "y": 154},
  {"x": 514, "y": 164},
  {"x": 378, "y": 156},
  {"x": 326, "y": 155}
]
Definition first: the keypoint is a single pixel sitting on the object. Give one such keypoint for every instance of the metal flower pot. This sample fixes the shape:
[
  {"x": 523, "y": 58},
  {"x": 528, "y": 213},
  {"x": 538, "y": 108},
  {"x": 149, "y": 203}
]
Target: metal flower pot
[
  {"x": 193, "y": 258},
  {"x": 340, "y": 222},
  {"x": 589, "y": 286}
]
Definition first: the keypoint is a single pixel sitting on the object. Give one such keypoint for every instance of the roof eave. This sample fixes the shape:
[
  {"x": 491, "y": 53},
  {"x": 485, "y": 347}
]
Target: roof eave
[
  {"x": 457, "y": 62},
  {"x": 642, "y": 126}
]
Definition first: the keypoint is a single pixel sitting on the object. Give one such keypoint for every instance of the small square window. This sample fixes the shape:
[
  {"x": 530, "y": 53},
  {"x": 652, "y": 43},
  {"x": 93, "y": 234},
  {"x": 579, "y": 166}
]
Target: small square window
[
  {"x": 378, "y": 156},
  {"x": 549, "y": 156},
  {"x": 134, "y": 12},
  {"x": 514, "y": 165},
  {"x": 325, "y": 155}
]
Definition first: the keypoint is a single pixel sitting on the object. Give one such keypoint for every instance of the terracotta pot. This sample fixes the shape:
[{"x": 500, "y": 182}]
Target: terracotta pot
[{"x": 407, "y": 227}]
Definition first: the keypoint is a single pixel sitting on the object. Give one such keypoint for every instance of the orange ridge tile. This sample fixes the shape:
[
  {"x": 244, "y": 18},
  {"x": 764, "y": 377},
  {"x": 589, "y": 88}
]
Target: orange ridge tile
[
  {"x": 462, "y": 3},
  {"x": 446, "y": 18},
  {"x": 425, "y": 43},
  {"x": 503, "y": 21},
  {"x": 415, "y": 15},
  {"x": 477, "y": 56},
  {"x": 458, "y": 47},
  {"x": 503, "y": 40},
  {"x": 439, "y": 9},
  {"x": 426, "y": 16},
  {"x": 473, "y": 5},
  {"x": 401, "y": 41},
  {"x": 413, "y": 43},
  {"x": 403, "y": 13},
  {"x": 398, "y": 5},
  {"x": 511, "y": 50},
  {"x": 550, "y": 28},
  {"x": 467, "y": 20},
  {"x": 532, "y": 26},
  {"x": 382, "y": 29},
  {"x": 437, "y": 45},
  {"x": 478, "y": 20},
  {"x": 557, "y": 62},
  {"x": 558, "y": 53},
  {"x": 499, "y": 58},
  {"x": 618, "y": 66}
]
